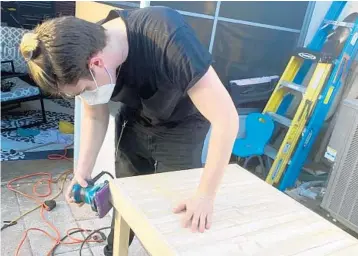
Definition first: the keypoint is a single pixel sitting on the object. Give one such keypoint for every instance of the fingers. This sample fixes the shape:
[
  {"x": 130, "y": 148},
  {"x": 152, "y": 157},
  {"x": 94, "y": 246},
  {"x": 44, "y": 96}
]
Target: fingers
[
  {"x": 83, "y": 183},
  {"x": 202, "y": 222},
  {"x": 195, "y": 222},
  {"x": 180, "y": 208},
  {"x": 68, "y": 194},
  {"x": 209, "y": 220},
  {"x": 187, "y": 218}
]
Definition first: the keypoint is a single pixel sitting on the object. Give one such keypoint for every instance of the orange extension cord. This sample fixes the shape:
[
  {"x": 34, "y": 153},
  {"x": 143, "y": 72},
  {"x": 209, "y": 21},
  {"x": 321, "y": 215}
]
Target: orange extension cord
[{"x": 35, "y": 196}]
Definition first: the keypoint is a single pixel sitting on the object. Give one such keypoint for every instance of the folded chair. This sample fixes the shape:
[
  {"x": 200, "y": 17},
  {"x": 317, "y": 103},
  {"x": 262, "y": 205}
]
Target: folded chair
[{"x": 259, "y": 129}]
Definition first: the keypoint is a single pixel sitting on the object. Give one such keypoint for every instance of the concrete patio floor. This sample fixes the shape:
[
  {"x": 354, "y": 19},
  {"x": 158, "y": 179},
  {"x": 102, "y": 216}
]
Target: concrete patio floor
[{"x": 65, "y": 216}]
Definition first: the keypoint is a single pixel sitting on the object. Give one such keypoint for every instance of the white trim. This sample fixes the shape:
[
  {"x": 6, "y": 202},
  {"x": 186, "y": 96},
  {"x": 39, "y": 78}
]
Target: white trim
[
  {"x": 306, "y": 23},
  {"x": 215, "y": 18},
  {"x": 144, "y": 4},
  {"x": 118, "y": 4},
  {"x": 77, "y": 133},
  {"x": 339, "y": 23},
  {"x": 213, "y": 31},
  {"x": 259, "y": 25},
  {"x": 198, "y": 15}
]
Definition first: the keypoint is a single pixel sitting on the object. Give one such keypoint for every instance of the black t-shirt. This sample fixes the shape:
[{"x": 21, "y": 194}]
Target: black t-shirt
[{"x": 165, "y": 60}]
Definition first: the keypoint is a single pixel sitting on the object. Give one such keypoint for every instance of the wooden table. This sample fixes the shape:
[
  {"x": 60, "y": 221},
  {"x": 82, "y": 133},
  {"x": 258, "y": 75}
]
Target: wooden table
[{"x": 250, "y": 218}]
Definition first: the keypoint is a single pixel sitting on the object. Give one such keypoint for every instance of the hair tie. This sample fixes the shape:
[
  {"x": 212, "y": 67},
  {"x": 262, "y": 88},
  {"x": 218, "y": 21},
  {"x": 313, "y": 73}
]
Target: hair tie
[
  {"x": 29, "y": 57},
  {"x": 29, "y": 45}
]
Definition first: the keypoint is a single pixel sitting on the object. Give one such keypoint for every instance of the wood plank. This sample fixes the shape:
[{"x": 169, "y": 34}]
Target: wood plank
[
  {"x": 348, "y": 251},
  {"x": 147, "y": 234},
  {"x": 121, "y": 235},
  {"x": 250, "y": 217},
  {"x": 328, "y": 249}
]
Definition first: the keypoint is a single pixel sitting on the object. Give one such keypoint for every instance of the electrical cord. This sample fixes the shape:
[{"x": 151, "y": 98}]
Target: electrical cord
[
  {"x": 48, "y": 205},
  {"x": 66, "y": 173},
  {"x": 103, "y": 236},
  {"x": 109, "y": 174},
  {"x": 40, "y": 204},
  {"x": 90, "y": 235},
  {"x": 59, "y": 156}
]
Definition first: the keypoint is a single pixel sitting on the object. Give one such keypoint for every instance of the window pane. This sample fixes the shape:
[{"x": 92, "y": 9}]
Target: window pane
[
  {"x": 202, "y": 28},
  {"x": 123, "y": 4},
  {"x": 242, "y": 51},
  {"x": 205, "y": 7},
  {"x": 283, "y": 14}
]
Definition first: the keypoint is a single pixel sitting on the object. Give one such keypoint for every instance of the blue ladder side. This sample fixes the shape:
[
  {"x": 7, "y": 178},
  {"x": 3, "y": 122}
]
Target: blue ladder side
[
  {"x": 316, "y": 45},
  {"x": 320, "y": 112},
  {"x": 320, "y": 36}
]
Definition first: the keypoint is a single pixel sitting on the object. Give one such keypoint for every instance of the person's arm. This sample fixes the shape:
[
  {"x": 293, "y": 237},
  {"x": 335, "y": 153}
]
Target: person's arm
[
  {"x": 187, "y": 63},
  {"x": 93, "y": 130},
  {"x": 214, "y": 102}
]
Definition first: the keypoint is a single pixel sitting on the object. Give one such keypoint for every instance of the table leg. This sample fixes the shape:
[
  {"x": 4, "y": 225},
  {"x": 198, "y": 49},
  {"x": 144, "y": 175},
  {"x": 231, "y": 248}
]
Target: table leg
[{"x": 121, "y": 235}]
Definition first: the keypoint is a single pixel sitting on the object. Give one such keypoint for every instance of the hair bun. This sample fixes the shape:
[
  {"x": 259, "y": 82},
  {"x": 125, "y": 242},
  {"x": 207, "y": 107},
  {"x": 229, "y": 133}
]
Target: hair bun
[{"x": 29, "y": 46}]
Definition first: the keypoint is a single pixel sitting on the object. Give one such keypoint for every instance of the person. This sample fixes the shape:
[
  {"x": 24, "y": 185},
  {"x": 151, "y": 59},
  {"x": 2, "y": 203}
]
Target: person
[{"x": 151, "y": 60}]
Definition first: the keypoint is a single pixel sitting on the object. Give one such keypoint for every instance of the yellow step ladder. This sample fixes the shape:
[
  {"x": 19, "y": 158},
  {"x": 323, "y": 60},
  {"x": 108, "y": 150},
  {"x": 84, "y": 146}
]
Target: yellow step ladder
[{"x": 321, "y": 70}]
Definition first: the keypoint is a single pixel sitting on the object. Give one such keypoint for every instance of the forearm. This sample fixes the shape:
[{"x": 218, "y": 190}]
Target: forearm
[
  {"x": 215, "y": 104},
  {"x": 222, "y": 138},
  {"x": 94, "y": 128}
]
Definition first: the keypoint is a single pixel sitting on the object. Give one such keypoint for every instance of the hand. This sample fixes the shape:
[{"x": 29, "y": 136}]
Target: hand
[
  {"x": 79, "y": 178},
  {"x": 198, "y": 212}
]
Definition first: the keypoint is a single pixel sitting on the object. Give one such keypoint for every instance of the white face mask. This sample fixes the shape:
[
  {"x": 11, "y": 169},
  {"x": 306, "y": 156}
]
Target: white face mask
[{"x": 101, "y": 95}]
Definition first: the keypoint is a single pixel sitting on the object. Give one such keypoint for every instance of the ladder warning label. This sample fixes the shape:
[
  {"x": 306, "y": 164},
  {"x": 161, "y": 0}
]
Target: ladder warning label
[
  {"x": 354, "y": 39},
  {"x": 276, "y": 170},
  {"x": 286, "y": 148},
  {"x": 330, "y": 154}
]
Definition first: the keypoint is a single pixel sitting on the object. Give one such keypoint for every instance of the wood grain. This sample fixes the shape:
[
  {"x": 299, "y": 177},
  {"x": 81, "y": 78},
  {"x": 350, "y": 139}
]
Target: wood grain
[
  {"x": 121, "y": 235},
  {"x": 250, "y": 218}
]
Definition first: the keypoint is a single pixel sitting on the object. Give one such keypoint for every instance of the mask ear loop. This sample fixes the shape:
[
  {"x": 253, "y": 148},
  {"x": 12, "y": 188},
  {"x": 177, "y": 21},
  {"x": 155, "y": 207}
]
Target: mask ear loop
[
  {"x": 95, "y": 82},
  {"x": 109, "y": 74}
]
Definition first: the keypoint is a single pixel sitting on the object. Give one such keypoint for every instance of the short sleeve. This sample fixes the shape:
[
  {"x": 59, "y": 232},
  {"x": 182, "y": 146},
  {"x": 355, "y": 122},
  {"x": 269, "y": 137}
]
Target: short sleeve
[{"x": 186, "y": 60}]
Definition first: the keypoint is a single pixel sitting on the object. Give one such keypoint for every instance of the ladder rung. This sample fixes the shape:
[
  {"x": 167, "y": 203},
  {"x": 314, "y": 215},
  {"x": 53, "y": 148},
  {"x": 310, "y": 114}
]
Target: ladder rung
[
  {"x": 339, "y": 23},
  {"x": 271, "y": 152},
  {"x": 294, "y": 86},
  {"x": 280, "y": 119}
]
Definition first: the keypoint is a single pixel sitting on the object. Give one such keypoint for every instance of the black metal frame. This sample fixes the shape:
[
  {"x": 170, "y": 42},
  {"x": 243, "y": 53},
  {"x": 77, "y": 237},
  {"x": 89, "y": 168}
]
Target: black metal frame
[{"x": 17, "y": 101}]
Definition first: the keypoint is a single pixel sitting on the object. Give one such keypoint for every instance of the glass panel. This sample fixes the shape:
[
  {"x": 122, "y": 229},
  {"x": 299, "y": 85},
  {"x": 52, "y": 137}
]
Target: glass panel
[
  {"x": 205, "y": 7},
  {"x": 283, "y": 14},
  {"x": 202, "y": 28},
  {"x": 242, "y": 51},
  {"x": 123, "y": 4}
]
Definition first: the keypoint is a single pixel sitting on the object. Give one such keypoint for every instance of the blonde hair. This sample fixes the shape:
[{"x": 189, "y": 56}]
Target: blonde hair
[
  {"x": 30, "y": 48},
  {"x": 29, "y": 44},
  {"x": 57, "y": 51}
]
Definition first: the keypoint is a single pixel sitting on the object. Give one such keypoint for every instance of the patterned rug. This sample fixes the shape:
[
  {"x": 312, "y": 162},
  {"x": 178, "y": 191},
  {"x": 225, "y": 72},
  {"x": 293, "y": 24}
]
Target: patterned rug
[{"x": 14, "y": 145}]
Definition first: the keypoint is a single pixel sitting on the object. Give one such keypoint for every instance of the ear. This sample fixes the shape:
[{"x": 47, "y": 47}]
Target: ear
[{"x": 95, "y": 61}]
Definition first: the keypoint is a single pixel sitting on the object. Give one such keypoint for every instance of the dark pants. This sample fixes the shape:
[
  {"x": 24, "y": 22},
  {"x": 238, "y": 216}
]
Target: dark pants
[{"x": 144, "y": 149}]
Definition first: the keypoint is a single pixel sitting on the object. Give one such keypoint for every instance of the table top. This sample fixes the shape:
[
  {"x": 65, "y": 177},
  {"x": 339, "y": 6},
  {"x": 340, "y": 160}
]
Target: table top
[{"x": 250, "y": 218}]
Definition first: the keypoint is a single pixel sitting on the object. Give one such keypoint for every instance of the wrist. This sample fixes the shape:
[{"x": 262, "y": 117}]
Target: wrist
[
  {"x": 206, "y": 192},
  {"x": 83, "y": 172},
  {"x": 208, "y": 185}
]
